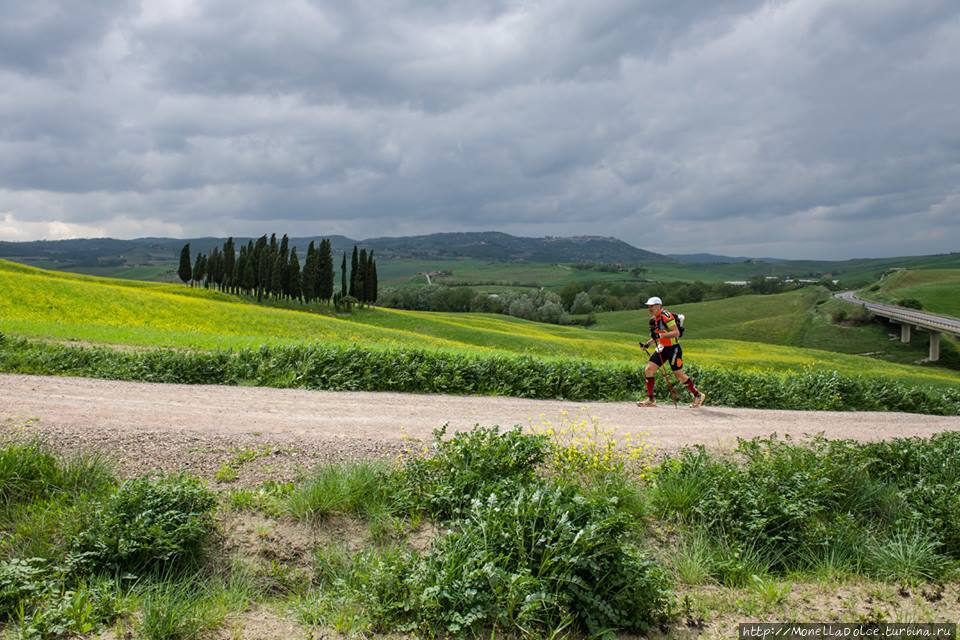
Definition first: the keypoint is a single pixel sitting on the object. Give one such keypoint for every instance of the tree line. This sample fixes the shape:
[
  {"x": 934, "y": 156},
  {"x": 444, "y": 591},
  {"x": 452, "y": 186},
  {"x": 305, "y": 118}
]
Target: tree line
[
  {"x": 270, "y": 269},
  {"x": 576, "y": 302}
]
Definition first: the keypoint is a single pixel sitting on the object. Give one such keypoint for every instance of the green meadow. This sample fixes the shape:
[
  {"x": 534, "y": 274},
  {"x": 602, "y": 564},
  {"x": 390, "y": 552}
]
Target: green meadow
[{"x": 58, "y": 306}]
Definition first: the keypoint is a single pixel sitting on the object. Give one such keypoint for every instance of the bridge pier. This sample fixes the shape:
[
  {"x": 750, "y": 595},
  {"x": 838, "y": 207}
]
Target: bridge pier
[
  {"x": 934, "y": 346},
  {"x": 905, "y": 332}
]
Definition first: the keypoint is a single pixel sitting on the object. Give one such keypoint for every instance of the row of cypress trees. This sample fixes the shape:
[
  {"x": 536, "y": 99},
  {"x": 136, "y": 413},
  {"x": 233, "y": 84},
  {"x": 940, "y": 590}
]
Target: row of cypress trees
[{"x": 271, "y": 269}]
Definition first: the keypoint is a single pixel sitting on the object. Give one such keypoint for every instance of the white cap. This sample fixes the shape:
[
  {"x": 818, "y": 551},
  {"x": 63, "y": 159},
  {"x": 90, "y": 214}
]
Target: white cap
[{"x": 654, "y": 300}]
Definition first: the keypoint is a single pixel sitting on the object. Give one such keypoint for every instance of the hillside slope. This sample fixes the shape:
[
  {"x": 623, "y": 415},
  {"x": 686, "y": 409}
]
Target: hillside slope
[{"x": 938, "y": 290}]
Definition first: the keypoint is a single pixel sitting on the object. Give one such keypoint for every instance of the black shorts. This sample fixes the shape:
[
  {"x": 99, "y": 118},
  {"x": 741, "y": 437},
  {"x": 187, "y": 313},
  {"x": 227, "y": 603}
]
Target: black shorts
[{"x": 672, "y": 355}]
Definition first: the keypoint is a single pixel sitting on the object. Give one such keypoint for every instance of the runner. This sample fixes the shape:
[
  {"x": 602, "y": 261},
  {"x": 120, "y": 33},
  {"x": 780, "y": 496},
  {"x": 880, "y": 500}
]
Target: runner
[{"x": 665, "y": 331}]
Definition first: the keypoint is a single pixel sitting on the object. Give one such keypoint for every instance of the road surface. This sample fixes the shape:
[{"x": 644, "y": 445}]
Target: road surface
[{"x": 97, "y": 407}]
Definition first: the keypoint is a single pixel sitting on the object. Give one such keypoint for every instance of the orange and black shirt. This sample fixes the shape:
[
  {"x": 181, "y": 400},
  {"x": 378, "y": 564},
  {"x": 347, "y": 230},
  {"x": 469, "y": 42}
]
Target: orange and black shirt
[{"x": 665, "y": 322}]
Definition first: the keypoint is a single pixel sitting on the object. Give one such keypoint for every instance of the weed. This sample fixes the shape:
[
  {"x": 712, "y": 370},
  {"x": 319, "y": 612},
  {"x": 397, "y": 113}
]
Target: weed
[
  {"x": 541, "y": 559},
  {"x": 147, "y": 525},
  {"x": 469, "y": 465},
  {"x": 583, "y": 446},
  {"x": 352, "y": 487},
  {"x": 909, "y": 556}
]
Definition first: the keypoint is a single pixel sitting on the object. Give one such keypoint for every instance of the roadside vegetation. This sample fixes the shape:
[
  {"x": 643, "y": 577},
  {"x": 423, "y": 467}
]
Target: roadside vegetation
[{"x": 560, "y": 531}]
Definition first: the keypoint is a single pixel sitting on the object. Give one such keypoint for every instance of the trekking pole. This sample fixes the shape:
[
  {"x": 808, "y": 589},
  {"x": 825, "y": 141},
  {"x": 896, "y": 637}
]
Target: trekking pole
[{"x": 673, "y": 392}]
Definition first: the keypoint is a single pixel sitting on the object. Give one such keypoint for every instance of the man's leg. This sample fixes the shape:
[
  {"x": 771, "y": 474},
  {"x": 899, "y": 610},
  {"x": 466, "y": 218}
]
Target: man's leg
[
  {"x": 650, "y": 373},
  {"x": 698, "y": 396}
]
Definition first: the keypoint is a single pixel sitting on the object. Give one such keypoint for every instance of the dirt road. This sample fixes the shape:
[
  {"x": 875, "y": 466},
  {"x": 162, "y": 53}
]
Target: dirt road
[{"x": 81, "y": 403}]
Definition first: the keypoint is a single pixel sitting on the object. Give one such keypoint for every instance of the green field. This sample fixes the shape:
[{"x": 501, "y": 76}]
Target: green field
[
  {"x": 483, "y": 272},
  {"x": 937, "y": 289},
  {"x": 480, "y": 272},
  {"x": 66, "y": 307}
]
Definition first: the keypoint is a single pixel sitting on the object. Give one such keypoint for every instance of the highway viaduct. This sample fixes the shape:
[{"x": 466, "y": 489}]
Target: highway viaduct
[{"x": 910, "y": 319}]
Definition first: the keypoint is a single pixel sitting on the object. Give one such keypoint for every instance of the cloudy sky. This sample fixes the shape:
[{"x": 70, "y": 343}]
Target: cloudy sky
[{"x": 795, "y": 128}]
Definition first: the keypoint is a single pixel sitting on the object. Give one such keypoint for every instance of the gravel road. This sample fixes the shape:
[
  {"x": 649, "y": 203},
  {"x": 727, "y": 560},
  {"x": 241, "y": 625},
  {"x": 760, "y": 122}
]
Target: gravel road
[{"x": 196, "y": 427}]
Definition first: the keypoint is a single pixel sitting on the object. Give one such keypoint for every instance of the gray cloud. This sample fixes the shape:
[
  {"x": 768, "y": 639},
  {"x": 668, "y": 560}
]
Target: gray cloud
[{"x": 803, "y": 128}]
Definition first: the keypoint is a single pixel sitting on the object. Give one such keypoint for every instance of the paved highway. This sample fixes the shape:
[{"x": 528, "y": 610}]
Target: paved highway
[{"x": 930, "y": 321}]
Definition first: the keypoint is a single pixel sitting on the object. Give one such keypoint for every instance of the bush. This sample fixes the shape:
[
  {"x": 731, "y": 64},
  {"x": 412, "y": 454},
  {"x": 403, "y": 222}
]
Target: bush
[
  {"x": 33, "y": 594},
  {"x": 146, "y": 526},
  {"x": 543, "y": 560},
  {"x": 470, "y": 465},
  {"x": 910, "y": 303}
]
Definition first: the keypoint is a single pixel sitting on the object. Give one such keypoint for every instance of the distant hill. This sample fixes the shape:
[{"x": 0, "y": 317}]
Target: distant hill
[
  {"x": 705, "y": 258},
  {"x": 492, "y": 246},
  {"x": 504, "y": 247}
]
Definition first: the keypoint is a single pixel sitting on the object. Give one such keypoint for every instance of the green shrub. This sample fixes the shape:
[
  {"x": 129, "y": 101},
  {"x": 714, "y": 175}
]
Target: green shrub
[
  {"x": 541, "y": 559},
  {"x": 470, "y": 465},
  {"x": 35, "y": 597},
  {"x": 147, "y": 525},
  {"x": 910, "y": 303}
]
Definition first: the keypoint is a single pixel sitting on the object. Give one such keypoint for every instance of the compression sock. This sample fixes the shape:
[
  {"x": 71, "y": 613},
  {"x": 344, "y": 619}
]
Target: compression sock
[
  {"x": 650, "y": 382},
  {"x": 692, "y": 388}
]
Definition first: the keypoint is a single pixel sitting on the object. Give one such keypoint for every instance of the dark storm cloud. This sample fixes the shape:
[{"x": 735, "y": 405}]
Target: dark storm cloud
[
  {"x": 44, "y": 36},
  {"x": 815, "y": 128}
]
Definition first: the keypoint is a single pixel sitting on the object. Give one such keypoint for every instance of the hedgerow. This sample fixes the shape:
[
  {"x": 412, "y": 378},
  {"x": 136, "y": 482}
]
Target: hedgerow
[{"x": 358, "y": 368}]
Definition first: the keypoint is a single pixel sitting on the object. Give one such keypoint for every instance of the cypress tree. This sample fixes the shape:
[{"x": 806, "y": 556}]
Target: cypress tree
[
  {"x": 258, "y": 265},
  {"x": 325, "y": 271},
  {"x": 343, "y": 276},
  {"x": 295, "y": 285},
  {"x": 217, "y": 259},
  {"x": 263, "y": 272},
  {"x": 284, "y": 266},
  {"x": 185, "y": 271},
  {"x": 197, "y": 275},
  {"x": 276, "y": 275},
  {"x": 249, "y": 275},
  {"x": 371, "y": 284},
  {"x": 229, "y": 265},
  {"x": 361, "y": 277},
  {"x": 353, "y": 272},
  {"x": 310, "y": 274}
]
